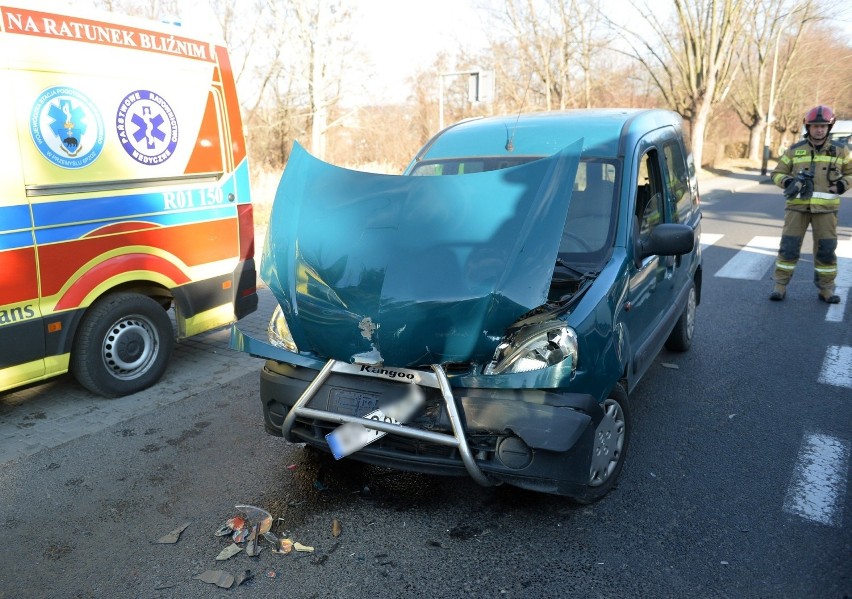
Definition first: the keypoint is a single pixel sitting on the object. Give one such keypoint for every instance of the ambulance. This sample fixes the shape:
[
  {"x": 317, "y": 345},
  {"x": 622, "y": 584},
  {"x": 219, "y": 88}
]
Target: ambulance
[{"x": 124, "y": 194}]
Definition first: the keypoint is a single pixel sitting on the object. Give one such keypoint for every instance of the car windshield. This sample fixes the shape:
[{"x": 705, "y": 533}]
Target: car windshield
[{"x": 590, "y": 225}]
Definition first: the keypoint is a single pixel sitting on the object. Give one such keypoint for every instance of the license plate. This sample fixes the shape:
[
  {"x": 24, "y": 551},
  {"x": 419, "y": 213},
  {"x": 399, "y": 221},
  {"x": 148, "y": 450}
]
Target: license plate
[{"x": 350, "y": 436}]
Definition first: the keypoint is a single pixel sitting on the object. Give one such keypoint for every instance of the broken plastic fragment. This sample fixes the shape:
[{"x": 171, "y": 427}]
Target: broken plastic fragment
[
  {"x": 273, "y": 540},
  {"x": 173, "y": 536},
  {"x": 229, "y": 552},
  {"x": 241, "y": 535},
  {"x": 284, "y": 546},
  {"x": 303, "y": 548},
  {"x": 243, "y": 576},
  {"x": 231, "y": 525},
  {"x": 257, "y": 515},
  {"x": 336, "y": 528},
  {"x": 292, "y": 466},
  {"x": 251, "y": 547},
  {"x": 220, "y": 578}
]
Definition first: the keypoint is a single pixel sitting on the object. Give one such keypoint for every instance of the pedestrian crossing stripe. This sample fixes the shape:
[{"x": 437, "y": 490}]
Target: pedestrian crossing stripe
[
  {"x": 817, "y": 489},
  {"x": 837, "y": 367},
  {"x": 708, "y": 239},
  {"x": 753, "y": 261}
]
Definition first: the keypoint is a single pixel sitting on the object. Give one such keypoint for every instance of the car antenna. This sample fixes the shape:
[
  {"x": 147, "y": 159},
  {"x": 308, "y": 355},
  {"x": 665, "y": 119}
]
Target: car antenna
[{"x": 510, "y": 146}]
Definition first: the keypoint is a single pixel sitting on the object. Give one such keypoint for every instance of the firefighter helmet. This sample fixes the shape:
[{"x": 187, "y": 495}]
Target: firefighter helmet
[{"x": 819, "y": 115}]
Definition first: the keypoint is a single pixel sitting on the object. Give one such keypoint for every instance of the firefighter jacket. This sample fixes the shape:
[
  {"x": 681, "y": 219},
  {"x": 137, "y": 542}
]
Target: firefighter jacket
[{"x": 830, "y": 165}]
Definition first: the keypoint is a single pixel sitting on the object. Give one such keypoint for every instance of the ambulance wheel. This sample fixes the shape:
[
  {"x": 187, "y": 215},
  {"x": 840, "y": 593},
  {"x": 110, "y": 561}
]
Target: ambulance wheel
[{"x": 123, "y": 345}]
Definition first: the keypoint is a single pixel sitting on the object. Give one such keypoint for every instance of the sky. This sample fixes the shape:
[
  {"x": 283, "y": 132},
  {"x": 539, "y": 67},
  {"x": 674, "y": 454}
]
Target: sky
[{"x": 400, "y": 37}]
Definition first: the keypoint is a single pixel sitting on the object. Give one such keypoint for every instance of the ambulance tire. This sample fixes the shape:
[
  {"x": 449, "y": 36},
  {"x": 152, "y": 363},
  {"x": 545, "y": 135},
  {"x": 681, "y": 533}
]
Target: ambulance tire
[{"x": 123, "y": 345}]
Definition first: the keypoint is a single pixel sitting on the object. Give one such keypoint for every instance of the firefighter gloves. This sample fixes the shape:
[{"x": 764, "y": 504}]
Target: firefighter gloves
[{"x": 792, "y": 187}]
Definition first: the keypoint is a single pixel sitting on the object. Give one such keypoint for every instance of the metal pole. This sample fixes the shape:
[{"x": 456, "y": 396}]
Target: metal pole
[{"x": 441, "y": 103}]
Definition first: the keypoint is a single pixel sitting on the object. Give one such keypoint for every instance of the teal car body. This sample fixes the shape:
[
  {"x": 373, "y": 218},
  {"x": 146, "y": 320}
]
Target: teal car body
[{"x": 523, "y": 274}]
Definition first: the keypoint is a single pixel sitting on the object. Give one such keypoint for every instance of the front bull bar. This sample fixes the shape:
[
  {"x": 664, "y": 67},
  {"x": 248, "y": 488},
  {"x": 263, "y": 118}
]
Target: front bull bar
[{"x": 436, "y": 379}]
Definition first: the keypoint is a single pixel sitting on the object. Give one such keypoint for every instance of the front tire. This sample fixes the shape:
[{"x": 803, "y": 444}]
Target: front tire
[
  {"x": 123, "y": 345},
  {"x": 609, "y": 450}
]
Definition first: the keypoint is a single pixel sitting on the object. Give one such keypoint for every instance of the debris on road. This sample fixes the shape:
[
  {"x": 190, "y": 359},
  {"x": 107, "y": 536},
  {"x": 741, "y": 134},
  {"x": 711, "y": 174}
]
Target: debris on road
[
  {"x": 257, "y": 516},
  {"x": 252, "y": 549},
  {"x": 173, "y": 536},
  {"x": 336, "y": 528},
  {"x": 229, "y": 552},
  {"x": 220, "y": 578},
  {"x": 243, "y": 576}
]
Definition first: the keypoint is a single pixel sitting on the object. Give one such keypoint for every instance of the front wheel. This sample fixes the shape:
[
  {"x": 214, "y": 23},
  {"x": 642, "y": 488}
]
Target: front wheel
[
  {"x": 611, "y": 439},
  {"x": 123, "y": 345}
]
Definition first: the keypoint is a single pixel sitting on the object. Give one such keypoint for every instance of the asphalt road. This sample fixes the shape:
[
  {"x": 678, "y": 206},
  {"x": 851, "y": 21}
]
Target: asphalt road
[{"x": 735, "y": 485}]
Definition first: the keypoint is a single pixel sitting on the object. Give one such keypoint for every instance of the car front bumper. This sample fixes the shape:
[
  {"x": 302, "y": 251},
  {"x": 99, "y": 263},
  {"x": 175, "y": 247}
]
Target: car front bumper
[{"x": 529, "y": 438}]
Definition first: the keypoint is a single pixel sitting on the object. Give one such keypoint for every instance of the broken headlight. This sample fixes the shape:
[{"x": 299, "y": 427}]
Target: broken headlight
[
  {"x": 279, "y": 333},
  {"x": 535, "y": 348}
]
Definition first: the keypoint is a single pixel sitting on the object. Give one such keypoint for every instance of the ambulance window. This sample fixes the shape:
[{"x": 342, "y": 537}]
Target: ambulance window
[{"x": 207, "y": 154}]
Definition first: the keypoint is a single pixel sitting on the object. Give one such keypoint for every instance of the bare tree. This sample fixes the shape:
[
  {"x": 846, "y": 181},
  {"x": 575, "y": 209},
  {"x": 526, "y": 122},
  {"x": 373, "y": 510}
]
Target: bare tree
[
  {"x": 694, "y": 62},
  {"x": 550, "y": 51},
  {"x": 772, "y": 46}
]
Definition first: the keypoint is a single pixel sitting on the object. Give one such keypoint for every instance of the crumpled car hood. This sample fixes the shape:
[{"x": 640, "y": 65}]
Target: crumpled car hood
[{"x": 411, "y": 271}]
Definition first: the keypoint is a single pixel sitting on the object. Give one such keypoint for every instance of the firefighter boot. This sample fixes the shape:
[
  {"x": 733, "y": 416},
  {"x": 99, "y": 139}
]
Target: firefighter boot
[
  {"x": 778, "y": 292},
  {"x": 828, "y": 296}
]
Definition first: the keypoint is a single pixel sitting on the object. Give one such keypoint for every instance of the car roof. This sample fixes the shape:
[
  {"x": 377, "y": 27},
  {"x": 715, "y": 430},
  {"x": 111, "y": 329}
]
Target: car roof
[{"x": 605, "y": 131}]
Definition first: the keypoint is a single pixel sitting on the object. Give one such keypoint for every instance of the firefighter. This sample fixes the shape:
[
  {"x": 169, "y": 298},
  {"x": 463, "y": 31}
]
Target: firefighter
[{"x": 813, "y": 173}]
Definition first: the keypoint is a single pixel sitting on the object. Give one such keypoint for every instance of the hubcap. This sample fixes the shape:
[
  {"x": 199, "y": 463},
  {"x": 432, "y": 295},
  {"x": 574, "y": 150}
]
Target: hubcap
[
  {"x": 690, "y": 314},
  {"x": 609, "y": 442},
  {"x": 130, "y": 347}
]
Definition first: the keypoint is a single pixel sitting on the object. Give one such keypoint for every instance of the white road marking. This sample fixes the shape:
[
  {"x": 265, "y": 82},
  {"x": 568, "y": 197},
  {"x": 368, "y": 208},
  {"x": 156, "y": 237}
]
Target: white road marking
[
  {"x": 844, "y": 264},
  {"x": 753, "y": 261},
  {"x": 708, "y": 239},
  {"x": 818, "y": 487},
  {"x": 835, "y": 311},
  {"x": 837, "y": 366}
]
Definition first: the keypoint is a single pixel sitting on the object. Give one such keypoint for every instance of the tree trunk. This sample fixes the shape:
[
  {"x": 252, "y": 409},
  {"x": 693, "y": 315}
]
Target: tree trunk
[
  {"x": 755, "y": 140},
  {"x": 699, "y": 127}
]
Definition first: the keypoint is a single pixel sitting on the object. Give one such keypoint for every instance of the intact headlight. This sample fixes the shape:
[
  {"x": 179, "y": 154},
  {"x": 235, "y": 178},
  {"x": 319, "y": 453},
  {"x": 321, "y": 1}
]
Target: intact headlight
[
  {"x": 536, "y": 348},
  {"x": 279, "y": 333}
]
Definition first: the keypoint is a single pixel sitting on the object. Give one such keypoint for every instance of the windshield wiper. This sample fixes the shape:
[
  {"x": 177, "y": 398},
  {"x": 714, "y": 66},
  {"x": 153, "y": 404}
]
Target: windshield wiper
[{"x": 577, "y": 273}]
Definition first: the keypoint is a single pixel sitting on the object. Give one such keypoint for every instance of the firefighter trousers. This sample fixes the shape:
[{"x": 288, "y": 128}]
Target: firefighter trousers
[{"x": 824, "y": 231}]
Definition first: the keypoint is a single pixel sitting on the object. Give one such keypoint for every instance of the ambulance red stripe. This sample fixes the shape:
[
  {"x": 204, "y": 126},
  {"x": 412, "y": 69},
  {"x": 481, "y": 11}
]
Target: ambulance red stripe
[{"x": 193, "y": 244}]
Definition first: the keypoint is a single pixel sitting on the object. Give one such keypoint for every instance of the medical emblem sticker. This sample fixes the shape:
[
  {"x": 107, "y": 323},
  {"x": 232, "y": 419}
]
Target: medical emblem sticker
[
  {"x": 147, "y": 127},
  {"x": 66, "y": 127}
]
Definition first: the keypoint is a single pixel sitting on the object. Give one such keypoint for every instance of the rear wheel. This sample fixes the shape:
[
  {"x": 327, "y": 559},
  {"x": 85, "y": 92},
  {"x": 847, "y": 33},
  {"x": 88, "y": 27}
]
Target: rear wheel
[
  {"x": 680, "y": 338},
  {"x": 123, "y": 345},
  {"x": 612, "y": 437}
]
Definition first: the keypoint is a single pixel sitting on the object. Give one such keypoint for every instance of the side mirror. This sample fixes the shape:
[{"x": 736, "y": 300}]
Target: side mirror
[{"x": 668, "y": 239}]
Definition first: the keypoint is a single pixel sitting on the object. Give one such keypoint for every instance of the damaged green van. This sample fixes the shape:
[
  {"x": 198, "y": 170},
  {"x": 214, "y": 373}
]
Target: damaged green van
[{"x": 488, "y": 312}]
